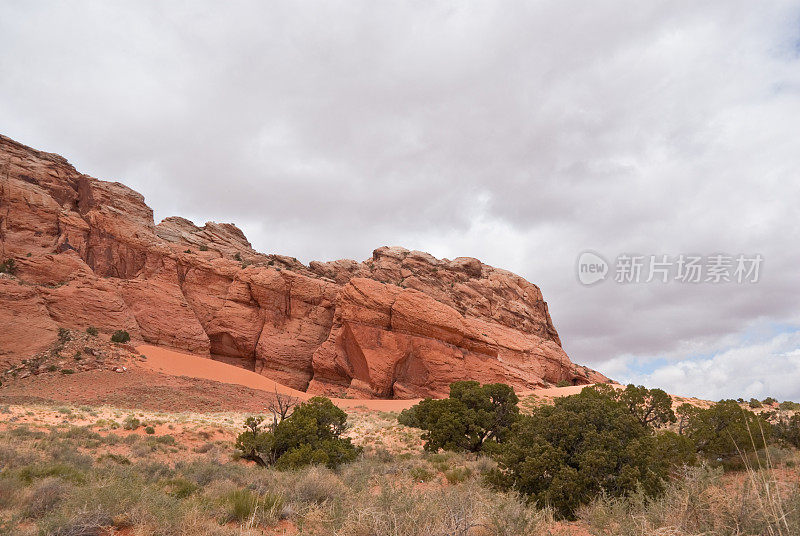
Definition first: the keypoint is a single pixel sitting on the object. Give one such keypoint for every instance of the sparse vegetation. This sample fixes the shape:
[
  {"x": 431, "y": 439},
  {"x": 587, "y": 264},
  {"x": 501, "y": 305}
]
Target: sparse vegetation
[
  {"x": 92, "y": 331},
  {"x": 68, "y": 479},
  {"x": 63, "y": 335}
]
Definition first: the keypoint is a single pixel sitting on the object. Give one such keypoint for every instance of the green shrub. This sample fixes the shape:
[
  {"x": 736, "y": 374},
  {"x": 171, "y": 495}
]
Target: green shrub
[
  {"x": 203, "y": 248},
  {"x": 678, "y": 449},
  {"x": 120, "y": 336},
  {"x": 584, "y": 445},
  {"x": 787, "y": 431},
  {"x": 789, "y": 406},
  {"x": 725, "y": 430},
  {"x": 91, "y": 330},
  {"x": 310, "y": 435},
  {"x": 64, "y": 471},
  {"x": 67, "y": 371},
  {"x": 243, "y": 505},
  {"x": 651, "y": 407},
  {"x": 164, "y": 439},
  {"x": 180, "y": 488},
  {"x": 473, "y": 417},
  {"x": 63, "y": 334},
  {"x": 8, "y": 266},
  {"x": 237, "y": 257},
  {"x": 754, "y": 403},
  {"x": 563, "y": 383},
  {"x": 457, "y": 474},
  {"x": 420, "y": 473},
  {"x": 131, "y": 423},
  {"x": 116, "y": 458},
  {"x": 149, "y": 430},
  {"x": 769, "y": 401}
]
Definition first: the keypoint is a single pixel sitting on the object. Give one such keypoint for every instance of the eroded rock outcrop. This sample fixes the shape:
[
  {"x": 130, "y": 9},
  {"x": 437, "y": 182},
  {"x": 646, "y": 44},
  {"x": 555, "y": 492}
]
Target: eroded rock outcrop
[{"x": 401, "y": 324}]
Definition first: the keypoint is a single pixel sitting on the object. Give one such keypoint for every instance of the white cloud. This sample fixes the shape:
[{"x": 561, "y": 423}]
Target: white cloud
[{"x": 766, "y": 368}]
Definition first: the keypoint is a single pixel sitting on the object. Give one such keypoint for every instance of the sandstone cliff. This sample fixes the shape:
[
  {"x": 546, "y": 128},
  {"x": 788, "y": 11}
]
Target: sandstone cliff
[{"x": 401, "y": 324}]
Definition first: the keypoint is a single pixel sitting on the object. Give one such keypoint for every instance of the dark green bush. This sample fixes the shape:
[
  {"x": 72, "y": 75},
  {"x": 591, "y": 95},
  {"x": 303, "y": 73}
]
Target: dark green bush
[
  {"x": 120, "y": 336},
  {"x": 149, "y": 430},
  {"x": 473, "y": 418},
  {"x": 769, "y": 401},
  {"x": 203, "y": 248},
  {"x": 585, "y": 445},
  {"x": 310, "y": 435},
  {"x": 91, "y": 330},
  {"x": 63, "y": 334},
  {"x": 754, "y": 403},
  {"x": 725, "y": 430},
  {"x": 8, "y": 266},
  {"x": 563, "y": 383},
  {"x": 789, "y": 406},
  {"x": 787, "y": 431},
  {"x": 651, "y": 407}
]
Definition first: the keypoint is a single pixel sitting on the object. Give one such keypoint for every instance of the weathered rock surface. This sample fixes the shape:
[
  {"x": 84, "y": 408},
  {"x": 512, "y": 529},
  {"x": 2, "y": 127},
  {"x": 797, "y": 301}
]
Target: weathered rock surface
[{"x": 401, "y": 324}]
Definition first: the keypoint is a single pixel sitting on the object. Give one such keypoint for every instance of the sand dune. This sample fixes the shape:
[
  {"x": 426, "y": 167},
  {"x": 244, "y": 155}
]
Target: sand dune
[{"x": 176, "y": 363}]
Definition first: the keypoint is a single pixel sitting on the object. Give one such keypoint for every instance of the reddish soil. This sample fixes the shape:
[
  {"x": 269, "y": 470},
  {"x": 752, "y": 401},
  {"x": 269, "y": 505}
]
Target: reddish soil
[{"x": 169, "y": 380}]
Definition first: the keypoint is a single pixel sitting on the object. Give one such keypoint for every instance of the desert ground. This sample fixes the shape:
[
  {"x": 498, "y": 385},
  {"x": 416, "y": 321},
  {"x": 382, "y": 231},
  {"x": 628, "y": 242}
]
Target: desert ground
[{"x": 143, "y": 445}]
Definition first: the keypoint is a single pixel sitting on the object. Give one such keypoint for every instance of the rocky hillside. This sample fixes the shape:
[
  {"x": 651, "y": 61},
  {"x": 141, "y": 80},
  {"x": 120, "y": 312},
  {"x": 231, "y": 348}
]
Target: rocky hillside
[{"x": 401, "y": 324}]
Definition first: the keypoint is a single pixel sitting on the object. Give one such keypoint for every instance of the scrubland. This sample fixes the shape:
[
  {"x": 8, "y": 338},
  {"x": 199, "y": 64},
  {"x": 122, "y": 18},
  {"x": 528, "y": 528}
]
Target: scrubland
[{"x": 78, "y": 471}]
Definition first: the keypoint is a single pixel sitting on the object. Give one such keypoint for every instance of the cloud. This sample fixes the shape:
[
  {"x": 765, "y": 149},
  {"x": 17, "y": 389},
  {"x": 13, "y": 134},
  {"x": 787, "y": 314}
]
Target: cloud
[
  {"x": 519, "y": 133},
  {"x": 766, "y": 368}
]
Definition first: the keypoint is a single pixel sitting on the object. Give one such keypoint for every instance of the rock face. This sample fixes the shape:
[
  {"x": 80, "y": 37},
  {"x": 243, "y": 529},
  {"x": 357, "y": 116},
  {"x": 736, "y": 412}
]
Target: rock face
[{"x": 401, "y": 324}]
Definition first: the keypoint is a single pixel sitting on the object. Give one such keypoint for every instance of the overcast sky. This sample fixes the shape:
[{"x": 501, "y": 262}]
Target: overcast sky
[{"x": 518, "y": 133}]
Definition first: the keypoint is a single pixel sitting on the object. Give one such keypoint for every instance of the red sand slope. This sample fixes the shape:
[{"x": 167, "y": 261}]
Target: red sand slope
[
  {"x": 180, "y": 364},
  {"x": 175, "y": 363}
]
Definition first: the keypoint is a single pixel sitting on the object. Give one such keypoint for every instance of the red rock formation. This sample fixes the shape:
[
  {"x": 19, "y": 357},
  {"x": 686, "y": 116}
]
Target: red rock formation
[{"x": 402, "y": 324}]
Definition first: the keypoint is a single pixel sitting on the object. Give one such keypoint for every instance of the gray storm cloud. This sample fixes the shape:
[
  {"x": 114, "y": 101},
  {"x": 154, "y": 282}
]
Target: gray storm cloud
[{"x": 521, "y": 133}]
